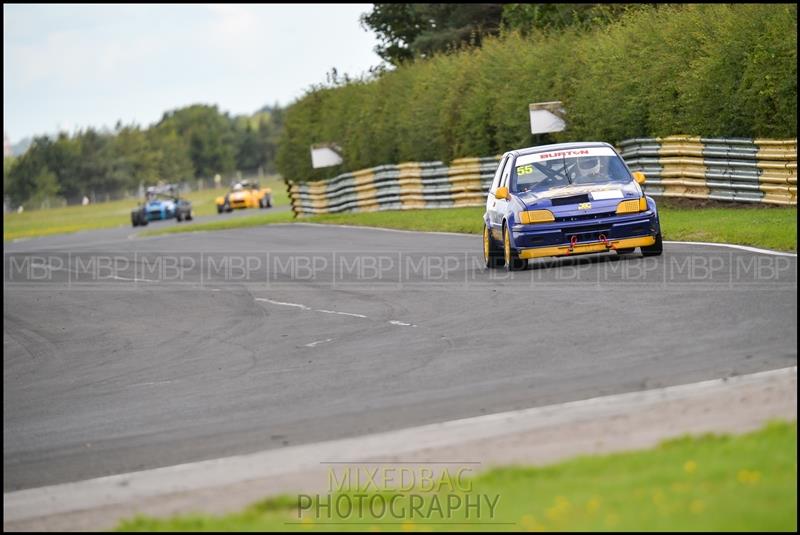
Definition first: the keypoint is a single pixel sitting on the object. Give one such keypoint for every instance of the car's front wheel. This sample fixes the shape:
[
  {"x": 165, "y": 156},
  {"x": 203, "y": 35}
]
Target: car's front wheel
[
  {"x": 512, "y": 260},
  {"x": 492, "y": 255},
  {"x": 654, "y": 250}
]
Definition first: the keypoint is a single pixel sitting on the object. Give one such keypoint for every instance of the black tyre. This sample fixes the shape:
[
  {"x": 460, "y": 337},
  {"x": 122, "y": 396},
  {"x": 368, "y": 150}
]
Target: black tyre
[
  {"x": 219, "y": 208},
  {"x": 178, "y": 216},
  {"x": 189, "y": 215},
  {"x": 135, "y": 219},
  {"x": 264, "y": 202},
  {"x": 143, "y": 219},
  {"x": 511, "y": 258},
  {"x": 492, "y": 253},
  {"x": 654, "y": 250}
]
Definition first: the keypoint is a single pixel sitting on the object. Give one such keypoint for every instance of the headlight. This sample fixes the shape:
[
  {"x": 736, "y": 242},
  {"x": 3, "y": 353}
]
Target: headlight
[
  {"x": 632, "y": 206},
  {"x": 536, "y": 216}
]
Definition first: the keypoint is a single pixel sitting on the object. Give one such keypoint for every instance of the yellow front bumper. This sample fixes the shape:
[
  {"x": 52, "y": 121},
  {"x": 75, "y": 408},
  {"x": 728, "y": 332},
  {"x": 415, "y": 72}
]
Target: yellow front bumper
[{"x": 593, "y": 247}]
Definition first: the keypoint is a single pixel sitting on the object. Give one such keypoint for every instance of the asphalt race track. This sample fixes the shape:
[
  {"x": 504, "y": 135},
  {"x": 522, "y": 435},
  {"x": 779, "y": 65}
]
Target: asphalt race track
[{"x": 202, "y": 345}]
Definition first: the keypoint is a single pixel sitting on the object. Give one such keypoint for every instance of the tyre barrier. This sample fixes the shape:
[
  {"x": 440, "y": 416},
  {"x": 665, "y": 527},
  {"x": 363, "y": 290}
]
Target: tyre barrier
[
  {"x": 727, "y": 169},
  {"x": 397, "y": 187},
  {"x": 760, "y": 170}
]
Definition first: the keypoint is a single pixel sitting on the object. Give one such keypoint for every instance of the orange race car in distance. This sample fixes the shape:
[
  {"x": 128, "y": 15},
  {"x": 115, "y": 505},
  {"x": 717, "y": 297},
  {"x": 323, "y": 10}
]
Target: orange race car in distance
[{"x": 244, "y": 194}]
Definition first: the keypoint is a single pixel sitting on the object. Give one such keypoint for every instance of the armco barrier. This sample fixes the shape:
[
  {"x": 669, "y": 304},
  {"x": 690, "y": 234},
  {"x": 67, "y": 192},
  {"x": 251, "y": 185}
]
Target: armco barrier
[
  {"x": 749, "y": 170},
  {"x": 398, "y": 187},
  {"x": 761, "y": 170}
]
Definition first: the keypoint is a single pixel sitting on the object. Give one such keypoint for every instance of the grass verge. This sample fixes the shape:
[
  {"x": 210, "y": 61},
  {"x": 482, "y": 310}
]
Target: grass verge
[
  {"x": 109, "y": 214},
  {"x": 709, "y": 482},
  {"x": 258, "y": 219},
  {"x": 770, "y": 227},
  {"x": 773, "y": 228}
]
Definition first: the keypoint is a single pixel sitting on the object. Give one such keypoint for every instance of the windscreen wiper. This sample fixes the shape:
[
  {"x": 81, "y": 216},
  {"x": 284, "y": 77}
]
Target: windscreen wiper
[{"x": 564, "y": 169}]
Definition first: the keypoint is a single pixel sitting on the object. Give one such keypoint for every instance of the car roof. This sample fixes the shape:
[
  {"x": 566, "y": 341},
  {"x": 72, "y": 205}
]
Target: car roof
[{"x": 558, "y": 146}]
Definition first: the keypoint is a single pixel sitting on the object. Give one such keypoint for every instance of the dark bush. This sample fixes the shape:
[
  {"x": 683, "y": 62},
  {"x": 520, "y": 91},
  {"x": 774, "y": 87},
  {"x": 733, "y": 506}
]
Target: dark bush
[{"x": 707, "y": 70}]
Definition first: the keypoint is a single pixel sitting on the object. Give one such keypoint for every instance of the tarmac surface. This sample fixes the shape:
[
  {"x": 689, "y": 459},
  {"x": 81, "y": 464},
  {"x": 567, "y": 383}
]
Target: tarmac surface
[{"x": 124, "y": 353}]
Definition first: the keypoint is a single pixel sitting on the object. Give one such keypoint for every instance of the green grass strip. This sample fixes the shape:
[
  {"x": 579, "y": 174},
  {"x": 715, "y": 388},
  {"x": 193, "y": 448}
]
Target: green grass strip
[
  {"x": 257, "y": 220},
  {"x": 68, "y": 219},
  {"x": 758, "y": 226},
  {"x": 709, "y": 482}
]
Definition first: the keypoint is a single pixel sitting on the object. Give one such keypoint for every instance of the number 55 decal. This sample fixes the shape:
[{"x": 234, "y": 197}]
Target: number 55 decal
[{"x": 524, "y": 170}]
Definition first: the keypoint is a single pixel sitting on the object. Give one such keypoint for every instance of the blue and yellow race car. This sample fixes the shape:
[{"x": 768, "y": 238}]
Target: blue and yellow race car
[
  {"x": 566, "y": 199},
  {"x": 161, "y": 202}
]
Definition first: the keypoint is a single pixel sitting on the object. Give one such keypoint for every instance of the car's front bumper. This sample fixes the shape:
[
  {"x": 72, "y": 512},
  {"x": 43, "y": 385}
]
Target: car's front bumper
[
  {"x": 586, "y": 236},
  {"x": 591, "y": 247}
]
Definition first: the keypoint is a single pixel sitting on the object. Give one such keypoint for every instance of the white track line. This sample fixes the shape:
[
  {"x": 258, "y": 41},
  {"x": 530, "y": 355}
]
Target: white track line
[
  {"x": 341, "y": 313},
  {"x": 297, "y": 305},
  {"x": 733, "y": 246},
  {"x": 324, "y": 311},
  {"x": 134, "y": 280},
  {"x": 315, "y": 344},
  {"x": 122, "y": 488},
  {"x": 381, "y": 229}
]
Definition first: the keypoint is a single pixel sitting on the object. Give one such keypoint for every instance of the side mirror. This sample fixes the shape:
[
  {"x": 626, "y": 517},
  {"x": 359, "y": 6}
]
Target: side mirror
[
  {"x": 638, "y": 176},
  {"x": 501, "y": 193}
]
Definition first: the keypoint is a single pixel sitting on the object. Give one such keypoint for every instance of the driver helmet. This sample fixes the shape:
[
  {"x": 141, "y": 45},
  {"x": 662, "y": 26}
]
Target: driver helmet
[
  {"x": 588, "y": 166},
  {"x": 237, "y": 187}
]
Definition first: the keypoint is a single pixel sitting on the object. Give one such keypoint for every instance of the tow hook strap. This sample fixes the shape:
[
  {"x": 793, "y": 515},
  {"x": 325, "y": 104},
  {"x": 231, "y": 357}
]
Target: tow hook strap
[
  {"x": 573, "y": 241},
  {"x": 605, "y": 242}
]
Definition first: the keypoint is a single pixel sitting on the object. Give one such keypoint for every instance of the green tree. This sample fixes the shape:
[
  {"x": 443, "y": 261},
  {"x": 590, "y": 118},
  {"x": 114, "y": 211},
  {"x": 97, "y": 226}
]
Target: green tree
[
  {"x": 251, "y": 152},
  {"x": 397, "y": 26},
  {"x": 210, "y": 136},
  {"x": 45, "y": 190},
  {"x": 195, "y": 141},
  {"x": 22, "y": 175},
  {"x": 133, "y": 160},
  {"x": 171, "y": 152},
  {"x": 8, "y": 164},
  {"x": 94, "y": 168},
  {"x": 526, "y": 18},
  {"x": 410, "y": 31},
  {"x": 63, "y": 157}
]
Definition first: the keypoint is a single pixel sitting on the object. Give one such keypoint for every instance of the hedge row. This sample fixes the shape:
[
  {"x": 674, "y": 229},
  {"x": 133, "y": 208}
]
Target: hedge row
[{"x": 710, "y": 70}]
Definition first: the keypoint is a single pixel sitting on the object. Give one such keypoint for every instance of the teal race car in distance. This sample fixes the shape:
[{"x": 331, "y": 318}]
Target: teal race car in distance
[{"x": 161, "y": 202}]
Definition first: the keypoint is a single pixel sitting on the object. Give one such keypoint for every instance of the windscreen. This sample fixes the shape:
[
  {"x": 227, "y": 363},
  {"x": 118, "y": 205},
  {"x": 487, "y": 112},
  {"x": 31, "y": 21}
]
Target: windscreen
[{"x": 544, "y": 170}]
